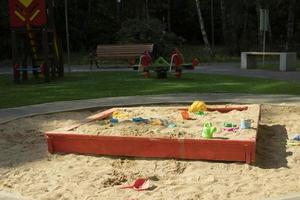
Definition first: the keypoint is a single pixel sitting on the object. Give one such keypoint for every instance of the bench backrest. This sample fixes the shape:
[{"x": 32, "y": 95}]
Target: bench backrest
[{"x": 122, "y": 51}]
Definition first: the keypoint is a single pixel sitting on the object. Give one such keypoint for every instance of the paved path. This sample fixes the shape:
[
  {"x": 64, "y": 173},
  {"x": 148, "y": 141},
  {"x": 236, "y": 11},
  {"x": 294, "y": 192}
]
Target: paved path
[
  {"x": 9, "y": 114},
  {"x": 233, "y": 69},
  {"x": 208, "y": 68}
]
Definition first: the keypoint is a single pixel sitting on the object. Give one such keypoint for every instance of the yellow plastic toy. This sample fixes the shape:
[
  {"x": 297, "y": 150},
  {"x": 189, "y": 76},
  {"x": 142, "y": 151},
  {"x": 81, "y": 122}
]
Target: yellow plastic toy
[
  {"x": 197, "y": 106},
  {"x": 120, "y": 115}
]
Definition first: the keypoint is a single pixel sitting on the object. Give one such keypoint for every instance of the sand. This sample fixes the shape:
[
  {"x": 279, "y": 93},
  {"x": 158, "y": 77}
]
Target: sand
[
  {"x": 159, "y": 118},
  {"x": 26, "y": 167}
]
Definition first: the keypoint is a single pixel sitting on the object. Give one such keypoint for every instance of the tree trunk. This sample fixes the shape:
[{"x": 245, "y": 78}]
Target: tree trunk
[
  {"x": 259, "y": 34},
  {"x": 212, "y": 16},
  {"x": 202, "y": 27},
  {"x": 224, "y": 20},
  {"x": 235, "y": 42},
  {"x": 147, "y": 10},
  {"x": 87, "y": 25},
  {"x": 229, "y": 33},
  {"x": 245, "y": 40},
  {"x": 270, "y": 33},
  {"x": 169, "y": 15},
  {"x": 290, "y": 24},
  {"x": 89, "y": 9}
]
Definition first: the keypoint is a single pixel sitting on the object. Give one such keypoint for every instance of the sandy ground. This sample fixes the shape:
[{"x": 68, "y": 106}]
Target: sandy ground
[
  {"x": 26, "y": 167},
  {"x": 159, "y": 118}
]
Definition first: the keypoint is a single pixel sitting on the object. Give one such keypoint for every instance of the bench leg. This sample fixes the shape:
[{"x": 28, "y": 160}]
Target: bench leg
[
  {"x": 288, "y": 62},
  {"x": 91, "y": 64},
  {"x": 247, "y": 61},
  {"x": 97, "y": 64},
  {"x": 94, "y": 61}
]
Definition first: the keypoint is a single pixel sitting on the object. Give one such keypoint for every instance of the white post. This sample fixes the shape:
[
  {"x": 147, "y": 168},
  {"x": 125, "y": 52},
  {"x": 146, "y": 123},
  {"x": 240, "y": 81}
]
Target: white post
[{"x": 264, "y": 26}]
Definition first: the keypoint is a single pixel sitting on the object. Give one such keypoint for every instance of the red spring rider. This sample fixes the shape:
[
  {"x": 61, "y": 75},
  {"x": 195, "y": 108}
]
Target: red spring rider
[
  {"x": 42, "y": 67},
  {"x": 195, "y": 62},
  {"x": 177, "y": 60},
  {"x": 17, "y": 72},
  {"x": 145, "y": 63}
]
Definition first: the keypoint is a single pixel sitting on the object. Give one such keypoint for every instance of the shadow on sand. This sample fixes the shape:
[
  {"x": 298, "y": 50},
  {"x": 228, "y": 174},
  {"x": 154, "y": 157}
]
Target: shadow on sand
[
  {"x": 23, "y": 140},
  {"x": 271, "y": 149}
]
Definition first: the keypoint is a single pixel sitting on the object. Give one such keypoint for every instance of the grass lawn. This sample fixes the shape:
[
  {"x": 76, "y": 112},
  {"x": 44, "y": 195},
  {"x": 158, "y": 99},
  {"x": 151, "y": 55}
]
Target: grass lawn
[
  {"x": 275, "y": 66},
  {"x": 110, "y": 84}
]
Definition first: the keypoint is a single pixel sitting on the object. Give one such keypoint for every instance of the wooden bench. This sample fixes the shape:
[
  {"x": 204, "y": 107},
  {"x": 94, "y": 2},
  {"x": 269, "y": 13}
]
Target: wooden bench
[
  {"x": 288, "y": 60},
  {"x": 127, "y": 52}
]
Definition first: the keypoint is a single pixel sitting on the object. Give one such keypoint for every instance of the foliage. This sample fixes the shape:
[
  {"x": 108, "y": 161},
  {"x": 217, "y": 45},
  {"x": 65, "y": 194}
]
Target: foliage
[
  {"x": 150, "y": 31},
  {"x": 4, "y": 32},
  {"x": 140, "y": 31},
  {"x": 92, "y": 22}
]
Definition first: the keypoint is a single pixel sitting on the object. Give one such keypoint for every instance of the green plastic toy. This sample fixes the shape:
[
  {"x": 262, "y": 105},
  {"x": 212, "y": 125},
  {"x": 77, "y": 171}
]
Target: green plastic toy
[
  {"x": 229, "y": 125},
  {"x": 200, "y": 113},
  {"x": 160, "y": 62},
  {"x": 208, "y": 130}
]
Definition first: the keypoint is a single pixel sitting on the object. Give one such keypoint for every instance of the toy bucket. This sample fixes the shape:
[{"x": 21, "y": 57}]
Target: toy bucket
[{"x": 246, "y": 123}]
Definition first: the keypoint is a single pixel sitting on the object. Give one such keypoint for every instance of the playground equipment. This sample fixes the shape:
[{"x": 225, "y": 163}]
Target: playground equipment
[
  {"x": 34, "y": 40},
  {"x": 161, "y": 66}
]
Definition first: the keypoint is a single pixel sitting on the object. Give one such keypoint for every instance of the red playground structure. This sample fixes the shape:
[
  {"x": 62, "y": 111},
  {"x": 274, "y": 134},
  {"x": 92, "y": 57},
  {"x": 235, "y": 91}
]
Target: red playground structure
[{"x": 34, "y": 40}]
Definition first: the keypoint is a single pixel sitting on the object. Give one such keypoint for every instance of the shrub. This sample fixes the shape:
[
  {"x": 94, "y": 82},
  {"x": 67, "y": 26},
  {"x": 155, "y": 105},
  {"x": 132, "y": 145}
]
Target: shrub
[{"x": 151, "y": 31}]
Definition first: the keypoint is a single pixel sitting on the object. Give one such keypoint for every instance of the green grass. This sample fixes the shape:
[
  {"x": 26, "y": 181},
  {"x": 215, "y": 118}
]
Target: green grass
[
  {"x": 111, "y": 84},
  {"x": 274, "y": 66}
]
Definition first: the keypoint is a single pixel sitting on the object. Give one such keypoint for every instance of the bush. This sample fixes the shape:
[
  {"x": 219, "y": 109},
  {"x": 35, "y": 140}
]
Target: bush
[
  {"x": 153, "y": 31},
  {"x": 139, "y": 31}
]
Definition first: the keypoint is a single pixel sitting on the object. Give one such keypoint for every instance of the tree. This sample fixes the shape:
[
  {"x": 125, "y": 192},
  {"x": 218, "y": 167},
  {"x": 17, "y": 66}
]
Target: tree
[
  {"x": 202, "y": 27},
  {"x": 147, "y": 10},
  {"x": 169, "y": 15},
  {"x": 290, "y": 24},
  {"x": 4, "y": 31},
  {"x": 230, "y": 24}
]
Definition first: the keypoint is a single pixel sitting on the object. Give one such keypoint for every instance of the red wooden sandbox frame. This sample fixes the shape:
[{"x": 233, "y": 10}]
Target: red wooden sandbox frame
[{"x": 192, "y": 149}]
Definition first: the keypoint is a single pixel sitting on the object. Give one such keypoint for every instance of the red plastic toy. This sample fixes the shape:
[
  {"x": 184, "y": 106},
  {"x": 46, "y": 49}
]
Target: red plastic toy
[{"x": 139, "y": 185}]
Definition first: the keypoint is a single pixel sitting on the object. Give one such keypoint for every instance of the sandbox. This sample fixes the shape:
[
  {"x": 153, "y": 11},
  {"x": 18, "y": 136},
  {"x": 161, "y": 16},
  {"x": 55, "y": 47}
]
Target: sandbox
[{"x": 162, "y": 133}]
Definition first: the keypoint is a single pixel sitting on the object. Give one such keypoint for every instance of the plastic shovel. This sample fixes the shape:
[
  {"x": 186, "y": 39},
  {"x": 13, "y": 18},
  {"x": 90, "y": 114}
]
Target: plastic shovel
[
  {"x": 139, "y": 184},
  {"x": 185, "y": 115}
]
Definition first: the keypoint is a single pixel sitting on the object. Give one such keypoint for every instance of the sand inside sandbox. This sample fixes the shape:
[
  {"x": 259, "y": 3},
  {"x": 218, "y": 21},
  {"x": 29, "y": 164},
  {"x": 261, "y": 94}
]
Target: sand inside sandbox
[
  {"x": 170, "y": 116},
  {"x": 28, "y": 169}
]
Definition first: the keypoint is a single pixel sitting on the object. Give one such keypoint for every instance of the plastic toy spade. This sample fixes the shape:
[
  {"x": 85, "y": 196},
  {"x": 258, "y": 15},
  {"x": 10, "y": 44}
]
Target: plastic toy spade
[
  {"x": 185, "y": 115},
  {"x": 139, "y": 184}
]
